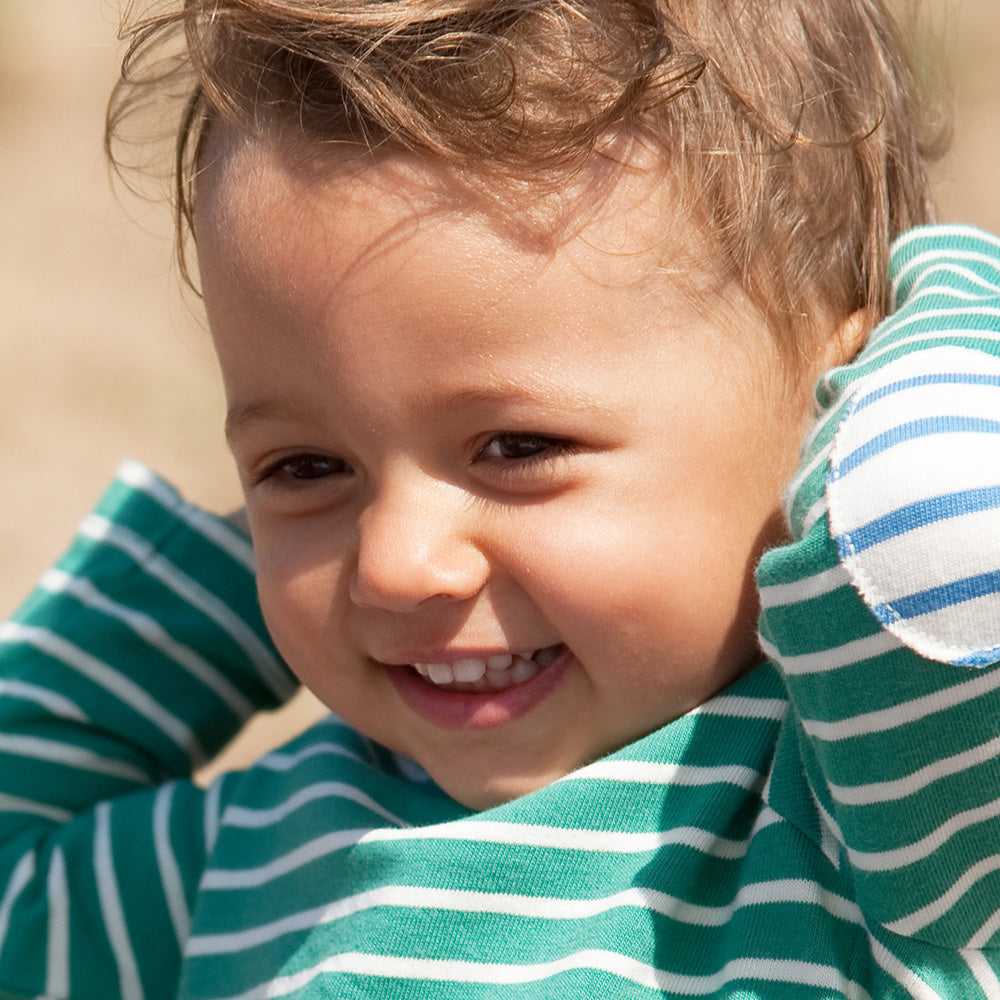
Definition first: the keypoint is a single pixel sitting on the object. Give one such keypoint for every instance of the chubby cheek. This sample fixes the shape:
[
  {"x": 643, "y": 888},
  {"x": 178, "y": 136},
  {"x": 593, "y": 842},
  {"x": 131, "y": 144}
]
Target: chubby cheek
[
  {"x": 652, "y": 600},
  {"x": 298, "y": 589}
]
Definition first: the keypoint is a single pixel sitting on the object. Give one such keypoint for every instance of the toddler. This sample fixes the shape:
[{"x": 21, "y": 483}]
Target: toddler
[{"x": 520, "y": 307}]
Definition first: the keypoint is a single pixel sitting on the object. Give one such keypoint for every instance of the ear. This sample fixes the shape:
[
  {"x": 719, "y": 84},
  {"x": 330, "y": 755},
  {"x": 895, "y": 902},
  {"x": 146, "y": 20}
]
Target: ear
[
  {"x": 843, "y": 343},
  {"x": 836, "y": 346}
]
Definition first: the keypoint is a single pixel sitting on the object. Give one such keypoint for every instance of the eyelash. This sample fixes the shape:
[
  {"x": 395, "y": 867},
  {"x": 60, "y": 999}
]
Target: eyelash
[
  {"x": 548, "y": 448},
  {"x": 282, "y": 469},
  {"x": 541, "y": 449}
]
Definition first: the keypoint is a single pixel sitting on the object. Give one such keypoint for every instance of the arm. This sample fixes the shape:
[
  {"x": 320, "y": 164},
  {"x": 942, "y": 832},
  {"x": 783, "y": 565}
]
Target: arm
[
  {"x": 884, "y": 614},
  {"x": 133, "y": 662}
]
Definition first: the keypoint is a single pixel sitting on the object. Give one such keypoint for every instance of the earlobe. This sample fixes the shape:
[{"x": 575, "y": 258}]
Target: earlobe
[{"x": 847, "y": 339}]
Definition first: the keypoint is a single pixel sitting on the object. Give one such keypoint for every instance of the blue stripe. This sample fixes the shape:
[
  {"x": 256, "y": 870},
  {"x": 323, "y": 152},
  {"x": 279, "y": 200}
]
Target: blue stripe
[
  {"x": 936, "y": 598},
  {"x": 927, "y": 427},
  {"x": 948, "y": 378},
  {"x": 981, "y": 659},
  {"x": 918, "y": 514}
]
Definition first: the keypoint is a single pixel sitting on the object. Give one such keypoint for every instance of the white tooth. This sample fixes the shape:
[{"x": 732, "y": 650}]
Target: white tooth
[
  {"x": 421, "y": 668},
  {"x": 501, "y": 661},
  {"x": 499, "y": 678},
  {"x": 440, "y": 673},
  {"x": 469, "y": 670},
  {"x": 523, "y": 670}
]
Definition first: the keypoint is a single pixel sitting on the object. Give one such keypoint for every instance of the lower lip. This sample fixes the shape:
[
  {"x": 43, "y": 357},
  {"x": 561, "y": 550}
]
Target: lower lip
[{"x": 473, "y": 710}]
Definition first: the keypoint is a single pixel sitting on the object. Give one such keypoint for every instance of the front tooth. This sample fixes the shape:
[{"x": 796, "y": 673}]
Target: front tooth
[
  {"x": 468, "y": 671},
  {"x": 440, "y": 673},
  {"x": 501, "y": 661}
]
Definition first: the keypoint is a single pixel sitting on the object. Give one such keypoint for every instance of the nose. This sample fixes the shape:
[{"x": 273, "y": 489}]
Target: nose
[{"x": 415, "y": 543}]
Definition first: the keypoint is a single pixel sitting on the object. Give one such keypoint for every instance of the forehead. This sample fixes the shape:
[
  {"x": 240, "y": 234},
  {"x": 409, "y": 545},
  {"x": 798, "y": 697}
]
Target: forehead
[
  {"x": 345, "y": 247},
  {"x": 619, "y": 218}
]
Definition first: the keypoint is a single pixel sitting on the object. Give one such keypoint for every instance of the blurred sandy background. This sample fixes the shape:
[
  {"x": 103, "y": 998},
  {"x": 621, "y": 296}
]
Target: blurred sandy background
[{"x": 104, "y": 358}]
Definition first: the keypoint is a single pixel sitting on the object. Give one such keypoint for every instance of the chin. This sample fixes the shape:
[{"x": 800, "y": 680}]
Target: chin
[{"x": 480, "y": 793}]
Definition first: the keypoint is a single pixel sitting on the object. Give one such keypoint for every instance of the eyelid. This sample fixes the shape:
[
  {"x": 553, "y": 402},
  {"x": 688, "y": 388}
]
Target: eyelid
[
  {"x": 273, "y": 470},
  {"x": 548, "y": 443}
]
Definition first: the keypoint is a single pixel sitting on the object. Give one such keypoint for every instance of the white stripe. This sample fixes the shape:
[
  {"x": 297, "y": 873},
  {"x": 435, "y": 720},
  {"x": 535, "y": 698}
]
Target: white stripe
[
  {"x": 924, "y": 262},
  {"x": 53, "y": 702},
  {"x": 72, "y": 756},
  {"x": 918, "y": 850},
  {"x": 965, "y": 634},
  {"x": 223, "y": 535},
  {"x": 983, "y": 972},
  {"x": 913, "y": 340},
  {"x": 897, "y": 331},
  {"x": 835, "y": 658},
  {"x": 112, "y": 681},
  {"x": 477, "y": 832},
  {"x": 568, "y": 839},
  {"x": 905, "y": 712},
  {"x": 892, "y": 966},
  {"x": 170, "y": 875},
  {"x": 250, "y": 878},
  {"x": 899, "y": 566},
  {"x": 407, "y": 897},
  {"x": 958, "y": 461},
  {"x": 189, "y": 590},
  {"x": 939, "y": 231},
  {"x": 985, "y": 934},
  {"x": 622, "y": 966},
  {"x": 776, "y": 595},
  {"x": 920, "y": 290},
  {"x": 650, "y": 773},
  {"x": 938, "y": 235},
  {"x": 57, "y": 948},
  {"x": 286, "y": 760},
  {"x": 820, "y": 458},
  {"x": 212, "y": 815},
  {"x": 812, "y": 515},
  {"x": 910, "y": 784},
  {"x": 130, "y": 987},
  {"x": 152, "y": 632},
  {"x": 23, "y": 873},
  {"x": 742, "y": 707},
  {"x": 247, "y": 818},
  {"x": 217, "y": 531},
  {"x": 915, "y": 922},
  {"x": 14, "y": 804},
  {"x": 967, "y": 400}
]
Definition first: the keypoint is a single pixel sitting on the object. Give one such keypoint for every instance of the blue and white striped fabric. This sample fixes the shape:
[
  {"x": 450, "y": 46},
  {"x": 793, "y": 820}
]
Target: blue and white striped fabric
[{"x": 914, "y": 501}]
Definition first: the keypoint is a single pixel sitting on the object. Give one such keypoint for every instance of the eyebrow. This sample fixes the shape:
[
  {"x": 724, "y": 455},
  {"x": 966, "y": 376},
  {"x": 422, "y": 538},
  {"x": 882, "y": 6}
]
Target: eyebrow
[
  {"x": 565, "y": 396},
  {"x": 242, "y": 414}
]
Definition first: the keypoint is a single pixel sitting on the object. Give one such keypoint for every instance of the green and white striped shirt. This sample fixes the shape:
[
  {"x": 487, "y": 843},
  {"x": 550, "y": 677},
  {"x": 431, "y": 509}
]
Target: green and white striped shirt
[{"x": 828, "y": 826}]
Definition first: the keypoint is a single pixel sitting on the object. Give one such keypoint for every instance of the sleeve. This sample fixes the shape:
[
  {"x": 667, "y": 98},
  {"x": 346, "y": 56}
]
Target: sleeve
[
  {"x": 884, "y": 612},
  {"x": 132, "y": 663}
]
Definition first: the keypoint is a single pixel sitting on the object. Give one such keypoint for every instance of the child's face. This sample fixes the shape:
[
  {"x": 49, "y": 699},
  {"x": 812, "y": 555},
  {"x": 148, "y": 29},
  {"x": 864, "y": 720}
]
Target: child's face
[{"x": 532, "y": 471}]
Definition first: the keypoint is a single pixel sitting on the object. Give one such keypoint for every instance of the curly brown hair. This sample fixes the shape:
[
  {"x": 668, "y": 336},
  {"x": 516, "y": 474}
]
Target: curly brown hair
[{"x": 794, "y": 127}]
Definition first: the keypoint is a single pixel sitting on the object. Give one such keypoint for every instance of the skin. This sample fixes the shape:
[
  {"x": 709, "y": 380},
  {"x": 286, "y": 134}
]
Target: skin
[{"x": 459, "y": 438}]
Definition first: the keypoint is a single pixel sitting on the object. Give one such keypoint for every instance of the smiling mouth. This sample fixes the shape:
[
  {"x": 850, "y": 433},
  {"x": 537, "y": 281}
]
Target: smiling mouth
[{"x": 488, "y": 674}]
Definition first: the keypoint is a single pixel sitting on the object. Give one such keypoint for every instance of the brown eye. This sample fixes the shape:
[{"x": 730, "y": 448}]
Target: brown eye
[
  {"x": 307, "y": 467},
  {"x": 512, "y": 447}
]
